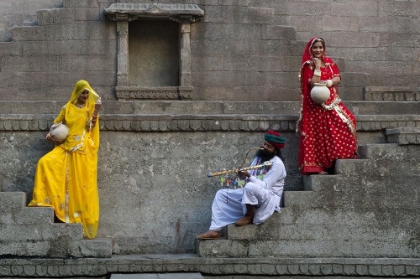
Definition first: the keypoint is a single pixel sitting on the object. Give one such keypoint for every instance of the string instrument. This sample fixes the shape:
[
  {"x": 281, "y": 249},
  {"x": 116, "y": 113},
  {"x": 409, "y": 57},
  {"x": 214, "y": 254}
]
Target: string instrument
[
  {"x": 240, "y": 168},
  {"x": 265, "y": 164}
]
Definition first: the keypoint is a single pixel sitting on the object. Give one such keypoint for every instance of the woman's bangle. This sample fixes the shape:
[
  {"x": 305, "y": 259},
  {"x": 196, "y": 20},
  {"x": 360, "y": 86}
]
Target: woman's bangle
[
  {"x": 329, "y": 83},
  {"x": 317, "y": 73}
]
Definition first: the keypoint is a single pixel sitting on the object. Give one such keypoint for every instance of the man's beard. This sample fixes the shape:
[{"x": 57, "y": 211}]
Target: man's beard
[{"x": 265, "y": 156}]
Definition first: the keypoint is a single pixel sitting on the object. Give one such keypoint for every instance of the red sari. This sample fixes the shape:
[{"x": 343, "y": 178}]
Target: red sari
[{"x": 328, "y": 130}]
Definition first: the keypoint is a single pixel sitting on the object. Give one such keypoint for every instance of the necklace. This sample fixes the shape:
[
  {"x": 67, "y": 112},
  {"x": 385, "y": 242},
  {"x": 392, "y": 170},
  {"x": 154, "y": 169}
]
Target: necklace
[{"x": 80, "y": 106}]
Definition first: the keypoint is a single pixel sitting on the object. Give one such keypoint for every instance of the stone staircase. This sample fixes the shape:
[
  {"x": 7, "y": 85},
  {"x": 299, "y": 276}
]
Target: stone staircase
[
  {"x": 368, "y": 208},
  {"x": 31, "y": 232}
]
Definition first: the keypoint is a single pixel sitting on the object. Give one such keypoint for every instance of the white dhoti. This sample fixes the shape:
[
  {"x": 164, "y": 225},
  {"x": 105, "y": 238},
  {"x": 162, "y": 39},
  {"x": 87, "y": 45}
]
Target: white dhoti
[
  {"x": 229, "y": 205},
  {"x": 265, "y": 194}
]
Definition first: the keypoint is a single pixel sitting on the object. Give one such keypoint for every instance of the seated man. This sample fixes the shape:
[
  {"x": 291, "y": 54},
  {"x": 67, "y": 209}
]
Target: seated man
[{"x": 260, "y": 196}]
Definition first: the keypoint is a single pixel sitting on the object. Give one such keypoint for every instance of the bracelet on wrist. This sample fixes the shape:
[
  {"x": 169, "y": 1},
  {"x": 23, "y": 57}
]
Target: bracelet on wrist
[
  {"x": 329, "y": 83},
  {"x": 317, "y": 73}
]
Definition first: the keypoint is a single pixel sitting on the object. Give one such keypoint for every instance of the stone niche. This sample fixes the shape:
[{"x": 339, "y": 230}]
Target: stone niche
[{"x": 154, "y": 49}]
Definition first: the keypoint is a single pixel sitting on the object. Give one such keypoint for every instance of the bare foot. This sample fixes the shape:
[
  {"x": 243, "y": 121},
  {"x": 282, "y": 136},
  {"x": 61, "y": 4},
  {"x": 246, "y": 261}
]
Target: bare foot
[
  {"x": 209, "y": 235},
  {"x": 246, "y": 220}
]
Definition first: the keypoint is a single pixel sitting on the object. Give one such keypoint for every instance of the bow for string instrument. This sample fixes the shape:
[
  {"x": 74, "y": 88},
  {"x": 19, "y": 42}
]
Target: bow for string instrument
[{"x": 265, "y": 164}]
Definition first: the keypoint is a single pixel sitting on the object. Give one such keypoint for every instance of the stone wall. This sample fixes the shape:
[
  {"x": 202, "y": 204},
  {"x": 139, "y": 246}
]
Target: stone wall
[{"x": 248, "y": 50}]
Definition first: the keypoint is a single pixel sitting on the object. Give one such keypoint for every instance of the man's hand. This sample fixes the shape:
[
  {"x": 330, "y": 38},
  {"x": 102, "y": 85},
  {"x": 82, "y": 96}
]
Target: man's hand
[{"x": 243, "y": 174}]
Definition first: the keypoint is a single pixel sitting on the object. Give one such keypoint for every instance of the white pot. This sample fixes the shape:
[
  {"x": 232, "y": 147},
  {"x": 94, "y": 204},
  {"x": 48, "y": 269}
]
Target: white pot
[
  {"x": 59, "y": 132},
  {"x": 320, "y": 93}
]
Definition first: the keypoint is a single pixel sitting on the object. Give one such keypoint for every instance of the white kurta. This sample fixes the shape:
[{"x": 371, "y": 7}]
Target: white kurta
[{"x": 264, "y": 192}]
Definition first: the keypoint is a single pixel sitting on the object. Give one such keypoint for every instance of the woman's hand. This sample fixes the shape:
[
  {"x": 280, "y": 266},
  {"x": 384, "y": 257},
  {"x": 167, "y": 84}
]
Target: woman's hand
[
  {"x": 317, "y": 63},
  {"x": 51, "y": 138},
  {"x": 98, "y": 106}
]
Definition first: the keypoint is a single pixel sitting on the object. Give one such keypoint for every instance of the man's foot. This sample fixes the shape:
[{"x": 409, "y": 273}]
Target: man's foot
[
  {"x": 244, "y": 221},
  {"x": 209, "y": 235}
]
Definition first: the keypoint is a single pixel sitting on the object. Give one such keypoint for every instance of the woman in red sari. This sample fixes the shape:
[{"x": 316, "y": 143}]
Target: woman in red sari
[{"x": 327, "y": 130}]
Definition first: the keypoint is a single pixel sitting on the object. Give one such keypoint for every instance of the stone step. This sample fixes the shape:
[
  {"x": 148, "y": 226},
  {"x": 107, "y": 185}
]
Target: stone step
[
  {"x": 223, "y": 248},
  {"x": 392, "y": 166},
  {"x": 388, "y": 151},
  {"x": 34, "y": 215},
  {"x": 31, "y": 231},
  {"x": 92, "y": 248},
  {"x": 51, "y": 240},
  {"x": 158, "y": 276},
  {"x": 12, "y": 200},
  {"x": 315, "y": 232}
]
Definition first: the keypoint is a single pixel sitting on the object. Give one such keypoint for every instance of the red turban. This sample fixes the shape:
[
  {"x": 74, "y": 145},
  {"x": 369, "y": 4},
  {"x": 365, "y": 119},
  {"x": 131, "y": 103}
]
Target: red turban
[{"x": 275, "y": 139}]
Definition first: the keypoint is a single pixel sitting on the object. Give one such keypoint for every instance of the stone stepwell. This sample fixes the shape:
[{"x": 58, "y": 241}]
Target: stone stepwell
[{"x": 367, "y": 209}]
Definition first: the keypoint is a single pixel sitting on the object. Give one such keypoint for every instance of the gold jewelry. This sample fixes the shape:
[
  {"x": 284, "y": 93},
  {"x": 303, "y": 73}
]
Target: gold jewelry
[{"x": 317, "y": 73}]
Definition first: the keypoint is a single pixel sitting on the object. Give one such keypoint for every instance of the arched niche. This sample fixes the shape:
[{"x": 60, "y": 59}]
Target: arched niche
[{"x": 154, "y": 49}]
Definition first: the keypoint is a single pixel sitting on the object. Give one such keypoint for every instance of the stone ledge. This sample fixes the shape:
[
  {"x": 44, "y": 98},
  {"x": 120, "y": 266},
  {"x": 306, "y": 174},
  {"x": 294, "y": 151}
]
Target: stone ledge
[
  {"x": 41, "y": 267},
  {"x": 188, "y": 123},
  {"x": 391, "y": 93},
  {"x": 133, "y": 11}
]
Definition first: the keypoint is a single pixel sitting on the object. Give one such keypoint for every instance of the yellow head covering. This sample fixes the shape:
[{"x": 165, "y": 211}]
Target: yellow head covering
[{"x": 78, "y": 89}]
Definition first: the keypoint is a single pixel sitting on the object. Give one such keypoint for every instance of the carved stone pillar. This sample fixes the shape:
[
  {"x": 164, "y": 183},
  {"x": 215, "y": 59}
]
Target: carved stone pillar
[
  {"x": 185, "y": 57},
  {"x": 122, "y": 53}
]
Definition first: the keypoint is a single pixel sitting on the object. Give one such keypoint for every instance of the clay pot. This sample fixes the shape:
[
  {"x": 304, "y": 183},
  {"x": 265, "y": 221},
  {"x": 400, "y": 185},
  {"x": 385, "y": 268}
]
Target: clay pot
[
  {"x": 59, "y": 131},
  {"x": 320, "y": 93}
]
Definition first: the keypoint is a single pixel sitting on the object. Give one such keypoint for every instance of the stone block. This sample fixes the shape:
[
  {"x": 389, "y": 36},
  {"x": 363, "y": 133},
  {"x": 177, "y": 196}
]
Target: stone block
[
  {"x": 222, "y": 248},
  {"x": 380, "y": 24},
  {"x": 81, "y": 30},
  {"x": 71, "y": 47},
  {"x": 351, "y": 94},
  {"x": 10, "y": 48},
  {"x": 324, "y": 249},
  {"x": 35, "y": 215},
  {"x": 12, "y": 200},
  {"x": 387, "y": 151},
  {"x": 209, "y": 63},
  {"x": 230, "y": 31},
  {"x": 29, "y": 33},
  {"x": 279, "y": 32},
  {"x": 308, "y": 23},
  {"x": 55, "y": 16},
  {"x": 256, "y": 15},
  {"x": 84, "y": 14},
  {"x": 397, "y": 8},
  {"x": 359, "y": 8},
  {"x": 348, "y": 39},
  {"x": 92, "y": 248},
  {"x": 334, "y": 23},
  {"x": 354, "y": 79},
  {"x": 80, "y": 3}
]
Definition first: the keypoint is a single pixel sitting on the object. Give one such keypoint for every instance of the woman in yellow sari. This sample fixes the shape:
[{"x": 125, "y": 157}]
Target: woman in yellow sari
[{"x": 66, "y": 177}]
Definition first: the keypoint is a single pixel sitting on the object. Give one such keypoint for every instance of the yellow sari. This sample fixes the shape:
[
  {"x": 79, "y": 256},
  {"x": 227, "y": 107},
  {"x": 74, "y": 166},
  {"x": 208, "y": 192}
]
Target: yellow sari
[{"x": 66, "y": 177}]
